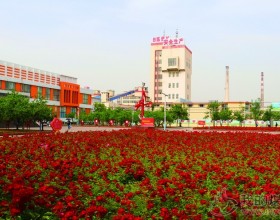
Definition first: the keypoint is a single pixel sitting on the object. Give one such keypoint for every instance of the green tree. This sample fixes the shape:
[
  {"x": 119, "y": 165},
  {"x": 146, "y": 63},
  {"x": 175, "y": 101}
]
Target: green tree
[
  {"x": 225, "y": 115},
  {"x": 71, "y": 115},
  {"x": 256, "y": 111},
  {"x": 15, "y": 108},
  {"x": 276, "y": 115},
  {"x": 214, "y": 109},
  {"x": 40, "y": 111},
  {"x": 179, "y": 112},
  {"x": 99, "y": 107},
  {"x": 268, "y": 115},
  {"x": 239, "y": 116}
]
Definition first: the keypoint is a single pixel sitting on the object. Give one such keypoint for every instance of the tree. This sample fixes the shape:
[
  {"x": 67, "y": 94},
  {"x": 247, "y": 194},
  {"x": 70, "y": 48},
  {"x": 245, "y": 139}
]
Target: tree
[
  {"x": 178, "y": 112},
  {"x": 213, "y": 113},
  {"x": 256, "y": 110},
  {"x": 225, "y": 115},
  {"x": 15, "y": 107},
  {"x": 40, "y": 111},
  {"x": 239, "y": 116},
  {"x": 276, "y": 115},
  {"x": 268, "y": 115},
  {"x": 71, "y": 115},
  {"x": 99, "y": 107}
]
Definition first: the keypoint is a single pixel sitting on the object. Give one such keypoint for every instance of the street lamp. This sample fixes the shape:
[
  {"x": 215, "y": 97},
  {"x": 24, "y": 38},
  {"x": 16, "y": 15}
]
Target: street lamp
[{"x": 164, "y": 122}]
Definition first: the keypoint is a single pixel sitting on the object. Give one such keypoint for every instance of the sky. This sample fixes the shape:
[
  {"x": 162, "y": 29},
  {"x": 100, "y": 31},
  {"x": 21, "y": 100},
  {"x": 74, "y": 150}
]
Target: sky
[{"x": 106, "y": 44}]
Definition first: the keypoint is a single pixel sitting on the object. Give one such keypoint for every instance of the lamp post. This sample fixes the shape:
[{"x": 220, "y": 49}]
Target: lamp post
[{"x": 164, "y": 119}]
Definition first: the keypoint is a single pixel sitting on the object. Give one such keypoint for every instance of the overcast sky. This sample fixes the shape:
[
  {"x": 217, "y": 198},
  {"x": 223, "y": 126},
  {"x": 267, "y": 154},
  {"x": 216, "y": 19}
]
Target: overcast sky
[{"x": 106, "y": 43}]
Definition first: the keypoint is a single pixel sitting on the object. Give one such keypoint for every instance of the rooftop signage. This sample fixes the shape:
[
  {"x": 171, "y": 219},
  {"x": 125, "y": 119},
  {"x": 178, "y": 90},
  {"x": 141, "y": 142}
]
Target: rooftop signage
[{"x": 166, "y": 40}]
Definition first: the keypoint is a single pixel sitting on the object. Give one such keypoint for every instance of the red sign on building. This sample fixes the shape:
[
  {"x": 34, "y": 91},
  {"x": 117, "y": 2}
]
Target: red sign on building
[{"x": 201, "y": 123}]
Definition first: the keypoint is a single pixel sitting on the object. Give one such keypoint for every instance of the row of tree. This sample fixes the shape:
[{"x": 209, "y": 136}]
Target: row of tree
[
  {"x": 219, "y": 113},
  {"x": 119, "y": 115},
  {"x": 17, "y": 109}
]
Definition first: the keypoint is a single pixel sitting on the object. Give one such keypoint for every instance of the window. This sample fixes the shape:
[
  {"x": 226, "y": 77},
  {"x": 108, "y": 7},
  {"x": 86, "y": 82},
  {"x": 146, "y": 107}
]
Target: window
[
  {"x": 171, "y": 61},
  {"x": 85, "y": 99},
  {"x": 48, "y": 93},
  {"x": 0, "y": 84},
  {"x": 190, "y": 105},
  {"x": 173, "y": 74},
  {"x": 187, "y": 86},
  {"x": 169, "y": 85},
  {"x": 10, "y": 85},
  {"x": 56, "y": 95},
  {"x": 177, "y": 96},
  {"x": 201, "y": 105},
  {"x": 169, "y": 96},
  {"x": 39, "y": 91},
  {"x": 169, "y": 74},
  {"x": 73, "y": 110},
  {"x": 173, "y": 96},
  {"x": 62, "y": 112},
  {"x": 173, "y": 85},
  {"x": 177, "y": 74},
  {"x": 177, "y": 85},
  {"x": 25, "y": 88}
]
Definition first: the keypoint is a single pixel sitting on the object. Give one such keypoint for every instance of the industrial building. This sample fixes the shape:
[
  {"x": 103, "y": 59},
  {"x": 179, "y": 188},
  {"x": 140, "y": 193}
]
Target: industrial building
[
  {"x": 171, "y": 70},
  {"x": 63, "y": 93}
]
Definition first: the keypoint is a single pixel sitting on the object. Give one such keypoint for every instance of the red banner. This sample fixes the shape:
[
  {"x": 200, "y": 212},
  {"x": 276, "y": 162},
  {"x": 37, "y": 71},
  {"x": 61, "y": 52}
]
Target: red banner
[
  {"x": 201, "y": 123},
  {"x": 148, "y": 122}
]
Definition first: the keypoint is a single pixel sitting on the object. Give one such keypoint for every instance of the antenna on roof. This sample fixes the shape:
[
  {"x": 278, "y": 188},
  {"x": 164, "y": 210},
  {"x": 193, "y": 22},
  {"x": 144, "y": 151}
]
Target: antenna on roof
[{"x": 177, "y": 33}]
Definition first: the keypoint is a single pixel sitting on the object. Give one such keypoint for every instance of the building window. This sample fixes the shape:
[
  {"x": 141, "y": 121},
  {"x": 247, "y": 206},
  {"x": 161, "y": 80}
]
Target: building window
[
  {"x": 56, "y": 95},
  {"x": 173, "y": 85},
  {"x": 25, "y": 88},
  {"x": 177, "y": 96},
  {"x": 10, "y": 85},
  {"x": 169, "y": 85},
  {"x": 169, "y": 74},
  {"x": 201, "y": 105},
  {"x": 171, "y": 61},
  {"x": 62, "y": 112},
  {"x": 173, "y": 74},
  {"x": 169, "y": 96},
  {"x": 39, "y": 91},
  {"x": 85, "y": 99},
  {"x": 173, "y": 96},
  {"x": 190, "y": 105},
  {"x": 177, "y": 74},
  {"x": 48, "y": 93},
  {"x": 177, "y": 85},
  {"x": 73, "y": 110},
  {"x": 0, "y": 84},
  {"x": 187, "y": 86}
]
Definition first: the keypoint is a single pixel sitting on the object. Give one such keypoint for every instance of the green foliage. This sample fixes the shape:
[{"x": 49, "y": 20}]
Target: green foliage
[
  {"x": 18, "y": 109},
  {"x": 213, "y": 113},
  {"x": 225, "y": 114},
  {"x": 178, "y": 112},
  {"x": 256, "y": 110},
  {"x": 239, "y": 116},
  {"x": 267, "y": 114},
  {"x": 71, "y": 115}
]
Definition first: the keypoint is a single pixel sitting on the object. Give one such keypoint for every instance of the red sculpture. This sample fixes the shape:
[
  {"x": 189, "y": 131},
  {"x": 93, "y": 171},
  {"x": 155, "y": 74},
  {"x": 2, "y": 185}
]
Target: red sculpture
[{"x": 142, "y": 103}]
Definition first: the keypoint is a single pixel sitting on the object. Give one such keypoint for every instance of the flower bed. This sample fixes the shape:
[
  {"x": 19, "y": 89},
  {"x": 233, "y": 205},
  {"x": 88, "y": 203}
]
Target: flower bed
[
  {"x": 136, "y": 174},
  {"x": 239, "y": 128}
]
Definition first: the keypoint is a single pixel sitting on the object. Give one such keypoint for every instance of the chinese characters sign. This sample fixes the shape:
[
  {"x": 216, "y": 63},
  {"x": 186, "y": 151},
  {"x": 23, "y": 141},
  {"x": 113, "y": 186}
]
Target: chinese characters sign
[{"x": 166, "y": 40}]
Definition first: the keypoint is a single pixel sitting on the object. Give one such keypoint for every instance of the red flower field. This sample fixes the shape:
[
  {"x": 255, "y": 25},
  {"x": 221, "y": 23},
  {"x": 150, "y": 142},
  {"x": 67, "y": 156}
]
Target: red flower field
[{"x": 140, "y": 174}]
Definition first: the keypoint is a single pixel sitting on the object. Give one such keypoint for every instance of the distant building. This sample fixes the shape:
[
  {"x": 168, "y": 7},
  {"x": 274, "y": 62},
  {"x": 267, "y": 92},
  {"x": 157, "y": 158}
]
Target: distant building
[
  {"x": 63, "y": 93},
  {"x": 132, "y": 99},
  {"x": 171, "y": 70}
]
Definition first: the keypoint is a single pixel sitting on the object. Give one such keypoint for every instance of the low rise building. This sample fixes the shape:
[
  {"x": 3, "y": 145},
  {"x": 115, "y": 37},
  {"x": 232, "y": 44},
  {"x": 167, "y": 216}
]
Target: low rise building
[{"x": 63, "y": 94}]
